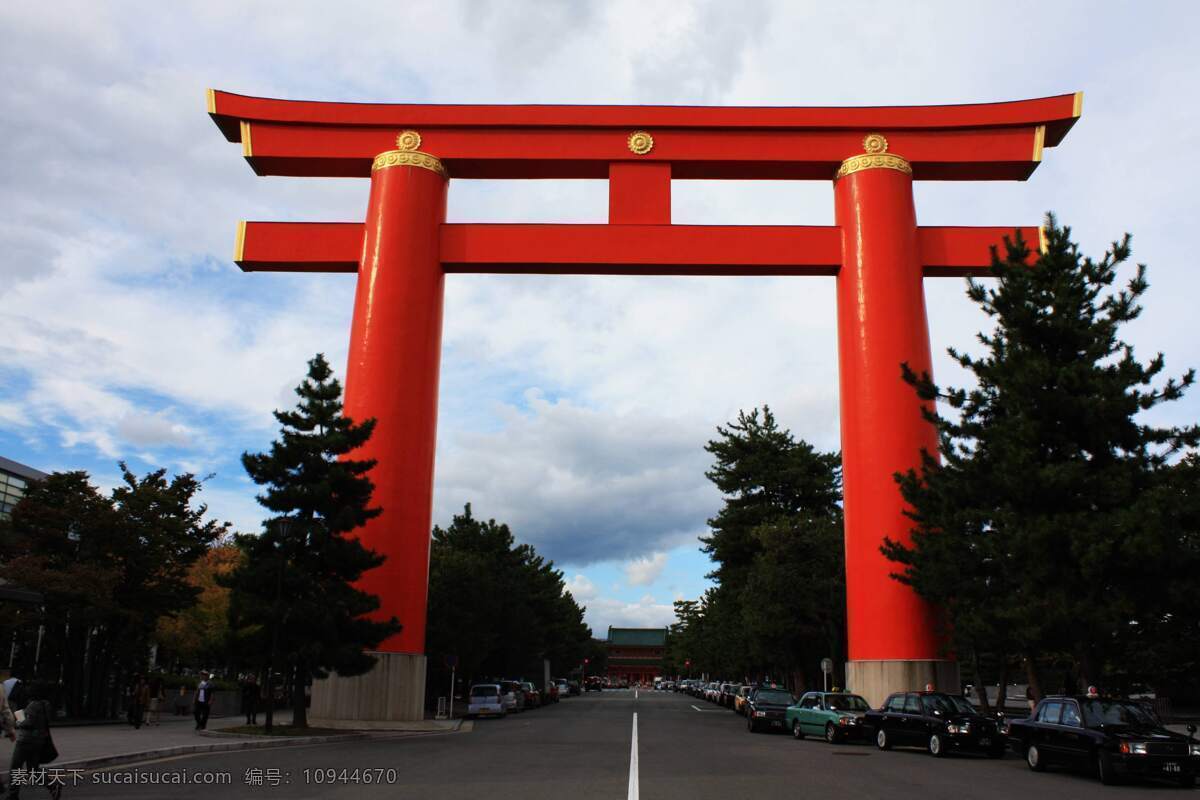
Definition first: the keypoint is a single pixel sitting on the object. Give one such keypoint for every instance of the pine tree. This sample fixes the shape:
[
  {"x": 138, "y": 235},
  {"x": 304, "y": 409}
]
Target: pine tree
[
  {"x": 1040, "y": 530},
  {"x": 296, "y": 584}
]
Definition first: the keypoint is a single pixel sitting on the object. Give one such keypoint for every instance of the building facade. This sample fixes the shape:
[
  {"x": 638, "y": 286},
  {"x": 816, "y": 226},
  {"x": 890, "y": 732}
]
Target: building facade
[
  {"x": 14, "y": 482},
  {"x": 635, "y": 655}
]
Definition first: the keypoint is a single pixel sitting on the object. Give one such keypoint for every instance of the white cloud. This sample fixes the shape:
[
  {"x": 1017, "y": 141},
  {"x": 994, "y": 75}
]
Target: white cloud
[
  {"x": 645, "y": 571},
  {"x": 127, "y": 330}
]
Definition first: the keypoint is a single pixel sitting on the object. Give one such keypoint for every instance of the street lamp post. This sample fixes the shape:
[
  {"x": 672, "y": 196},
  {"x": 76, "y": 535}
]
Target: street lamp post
[{"x": 282, "y": 526}]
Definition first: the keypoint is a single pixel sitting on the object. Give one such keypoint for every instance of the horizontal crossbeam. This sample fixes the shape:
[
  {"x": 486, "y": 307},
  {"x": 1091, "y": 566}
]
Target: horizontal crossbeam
[
  {"x": 322, "y": 151},
  {"x": 989, "y": 141},
  {"x": 614, "y": 249}
]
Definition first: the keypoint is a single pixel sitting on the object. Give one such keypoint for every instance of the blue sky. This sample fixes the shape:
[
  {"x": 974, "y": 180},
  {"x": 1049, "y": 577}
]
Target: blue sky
[{"x": 575, "y": 409}]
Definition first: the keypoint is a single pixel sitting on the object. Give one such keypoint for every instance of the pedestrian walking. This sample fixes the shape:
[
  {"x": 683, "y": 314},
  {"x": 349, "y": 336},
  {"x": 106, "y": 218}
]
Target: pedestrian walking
[
  {"x": 157, "y": 696},
  {"x": 8, "y": 722},
  {"x": 250, "y": 694},
  {"x": 34, "y": 748},
  {"x": 202, "y": 702},
  {"x": 139, "y": 697}
]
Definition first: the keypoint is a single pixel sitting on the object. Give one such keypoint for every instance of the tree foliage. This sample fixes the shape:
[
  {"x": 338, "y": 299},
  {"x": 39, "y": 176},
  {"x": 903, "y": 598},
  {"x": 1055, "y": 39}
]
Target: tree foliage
[
  {"x": 497, "y": 605},
  {"x": 297, "y": 578},
  {"x": 109, "y": 568},
  {"x": 779, "y": 603},
  {"x": 1044, "y": 528}
]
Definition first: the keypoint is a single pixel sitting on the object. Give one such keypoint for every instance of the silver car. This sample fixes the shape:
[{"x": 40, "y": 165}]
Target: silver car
[{"x": 486, "y": 701}]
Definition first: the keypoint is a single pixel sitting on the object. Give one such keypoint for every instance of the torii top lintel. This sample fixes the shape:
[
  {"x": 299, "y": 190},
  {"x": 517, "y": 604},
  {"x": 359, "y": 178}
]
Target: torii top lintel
[{"x": 985, "y": 141}]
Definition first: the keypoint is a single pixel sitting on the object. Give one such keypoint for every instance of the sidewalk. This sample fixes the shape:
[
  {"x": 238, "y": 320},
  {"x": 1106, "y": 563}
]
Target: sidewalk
[{"x": 87, "y": 747}]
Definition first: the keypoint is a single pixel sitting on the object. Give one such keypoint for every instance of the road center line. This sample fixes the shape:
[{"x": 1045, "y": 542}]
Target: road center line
[{"x": 633, "y": 764}]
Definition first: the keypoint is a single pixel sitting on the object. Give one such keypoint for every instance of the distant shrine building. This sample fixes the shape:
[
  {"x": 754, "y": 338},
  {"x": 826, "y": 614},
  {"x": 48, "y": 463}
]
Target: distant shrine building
[{"x": 636, "y": 655}]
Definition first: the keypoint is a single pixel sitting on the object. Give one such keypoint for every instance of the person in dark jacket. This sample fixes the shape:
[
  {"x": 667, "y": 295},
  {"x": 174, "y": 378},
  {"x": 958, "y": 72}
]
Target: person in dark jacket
[
  {"x": 250, "y": 694},
  {"x": 32, "y": 732}
]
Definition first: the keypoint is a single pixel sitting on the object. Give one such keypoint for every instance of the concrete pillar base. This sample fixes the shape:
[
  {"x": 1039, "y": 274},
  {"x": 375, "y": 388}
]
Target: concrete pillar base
[
  {"x": 875, "y": 680},
  {"x": 392, "y": 692}
]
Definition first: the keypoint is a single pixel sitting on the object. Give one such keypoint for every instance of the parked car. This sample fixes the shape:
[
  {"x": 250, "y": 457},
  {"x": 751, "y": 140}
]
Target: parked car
[
  {"x": 533, "y": 698},
  {"x": 767, "y": 708},
  {"x": 573, "y": 688},
  {"x": 937, "y": 721},
  {"x": 550, "y": 695},
  {"x": 486, "y": 700},
  {"x": 739, "y": 700},
  {"x": 514, "y": 696},
  {"x": 712, "y": 692},
  {"x": 837, "y": 716},
  {"x": 726, "y": 693},
  {"x": 594, "y": 684},
  {"x": 1113, "y": 738}
]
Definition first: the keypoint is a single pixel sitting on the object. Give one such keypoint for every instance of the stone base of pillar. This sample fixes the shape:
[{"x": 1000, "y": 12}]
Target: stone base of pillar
[
  {"x": 875, "y": 680},
  {"x": 391, "y": 694}
]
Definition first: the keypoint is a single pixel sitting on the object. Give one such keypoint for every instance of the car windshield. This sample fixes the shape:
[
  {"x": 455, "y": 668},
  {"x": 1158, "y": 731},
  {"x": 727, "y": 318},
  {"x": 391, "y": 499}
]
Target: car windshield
[
  {"x": 772, "y": 696},
  {"x": 485, "y": 691},
  {"x": 946, "y": 704},
  {"x": 1116, "y": 712},
  {"x": 846, "y": 702}
]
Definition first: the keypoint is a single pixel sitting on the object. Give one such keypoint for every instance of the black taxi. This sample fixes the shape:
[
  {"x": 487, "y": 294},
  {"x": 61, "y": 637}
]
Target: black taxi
[
  {"x": 1110, "y": 737},
  {"x": 940, "y": 722}
]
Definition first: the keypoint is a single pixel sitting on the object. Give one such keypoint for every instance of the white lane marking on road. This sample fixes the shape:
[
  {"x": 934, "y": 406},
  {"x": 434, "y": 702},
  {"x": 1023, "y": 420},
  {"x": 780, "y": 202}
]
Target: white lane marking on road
[
  {"x": 635, "y": 694},
  {"x": 633, "y": 765},
  {"x": 705, "y": 710}
]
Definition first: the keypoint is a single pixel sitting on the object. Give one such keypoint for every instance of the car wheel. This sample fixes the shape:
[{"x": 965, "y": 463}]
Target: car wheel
[
  {"x": 796, "y": 730},
  {"x": 1034, "y": 758},
  {"x": 750, "y": 726},
  {"x": 881, "y": 740},
  {"x": 937, "y": 748},
  {"x": 1104, "y": 770},
  {"x": 831, "y": 734}
]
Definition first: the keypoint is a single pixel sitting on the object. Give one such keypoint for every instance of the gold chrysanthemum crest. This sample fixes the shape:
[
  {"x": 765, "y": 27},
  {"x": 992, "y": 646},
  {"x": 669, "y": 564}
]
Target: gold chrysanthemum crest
[
  {"x": 640, "y": 143},
  {"x": 408, "y": 140},
  {"x": 406, "y": 154},
  {"x": 874, "y": 143},
  {"x": 874, "y": 156}
]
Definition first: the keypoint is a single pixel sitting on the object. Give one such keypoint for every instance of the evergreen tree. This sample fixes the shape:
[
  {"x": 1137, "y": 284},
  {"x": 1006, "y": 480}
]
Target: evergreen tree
[
  {"x": 497, "y": 605},
  {"x": 109, "y": 569},
  {"x": 295, "y": 585},
  {"x": 1040, "y": 529},
  {"x": 779, "y": 605}
]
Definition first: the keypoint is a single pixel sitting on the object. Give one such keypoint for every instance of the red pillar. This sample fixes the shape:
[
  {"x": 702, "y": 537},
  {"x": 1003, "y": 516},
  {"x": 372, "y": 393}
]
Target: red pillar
[
  {"x": 881, "y": 323},
  {"x": 392, "y": 375}
]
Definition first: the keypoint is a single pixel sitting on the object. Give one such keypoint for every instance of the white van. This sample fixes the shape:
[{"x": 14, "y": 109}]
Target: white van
[{"x": 486, "y": 701}]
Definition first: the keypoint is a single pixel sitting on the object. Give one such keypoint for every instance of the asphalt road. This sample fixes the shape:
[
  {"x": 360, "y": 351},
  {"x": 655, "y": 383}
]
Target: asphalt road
[{"x": 582, "y": 749}]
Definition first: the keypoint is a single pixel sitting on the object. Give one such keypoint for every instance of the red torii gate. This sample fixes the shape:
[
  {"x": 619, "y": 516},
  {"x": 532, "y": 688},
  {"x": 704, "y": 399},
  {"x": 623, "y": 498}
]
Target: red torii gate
[{"x": 405, "y": 247}]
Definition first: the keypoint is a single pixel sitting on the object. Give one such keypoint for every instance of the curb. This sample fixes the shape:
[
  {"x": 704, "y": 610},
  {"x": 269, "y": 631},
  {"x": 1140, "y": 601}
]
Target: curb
[{"x": 243, "y": 742}]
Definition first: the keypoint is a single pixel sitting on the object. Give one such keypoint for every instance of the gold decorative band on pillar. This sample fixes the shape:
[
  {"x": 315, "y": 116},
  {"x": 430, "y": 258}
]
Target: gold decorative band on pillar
[
  {"x": 406, "y": 154},
  {"x": 875, "y": 156}
]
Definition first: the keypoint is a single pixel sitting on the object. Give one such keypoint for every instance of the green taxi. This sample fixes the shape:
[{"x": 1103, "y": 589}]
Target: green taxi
[{"x": 837, "y": 716}]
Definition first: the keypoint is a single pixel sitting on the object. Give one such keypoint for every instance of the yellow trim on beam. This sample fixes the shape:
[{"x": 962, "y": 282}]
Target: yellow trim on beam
[
  {"x": 1039, "y": 141},
  {"x": 247, "y": 150},
  {"x": 239, "y": 244},
  {"x": 210, "y": 100},
  {"x": 1043, "y": 245},
  {"x": 1078, "y": 108}
]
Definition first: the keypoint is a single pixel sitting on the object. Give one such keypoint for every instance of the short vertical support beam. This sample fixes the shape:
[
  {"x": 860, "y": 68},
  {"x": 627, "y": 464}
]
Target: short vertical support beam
[
  {"x": 893, "y": 637},
  {"x": 639, "y": 193}
]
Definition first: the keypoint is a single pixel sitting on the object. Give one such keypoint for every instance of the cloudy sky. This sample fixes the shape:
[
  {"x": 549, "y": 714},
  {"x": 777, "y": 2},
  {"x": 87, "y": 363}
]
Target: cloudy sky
[{"x": 573, "y": 408}]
